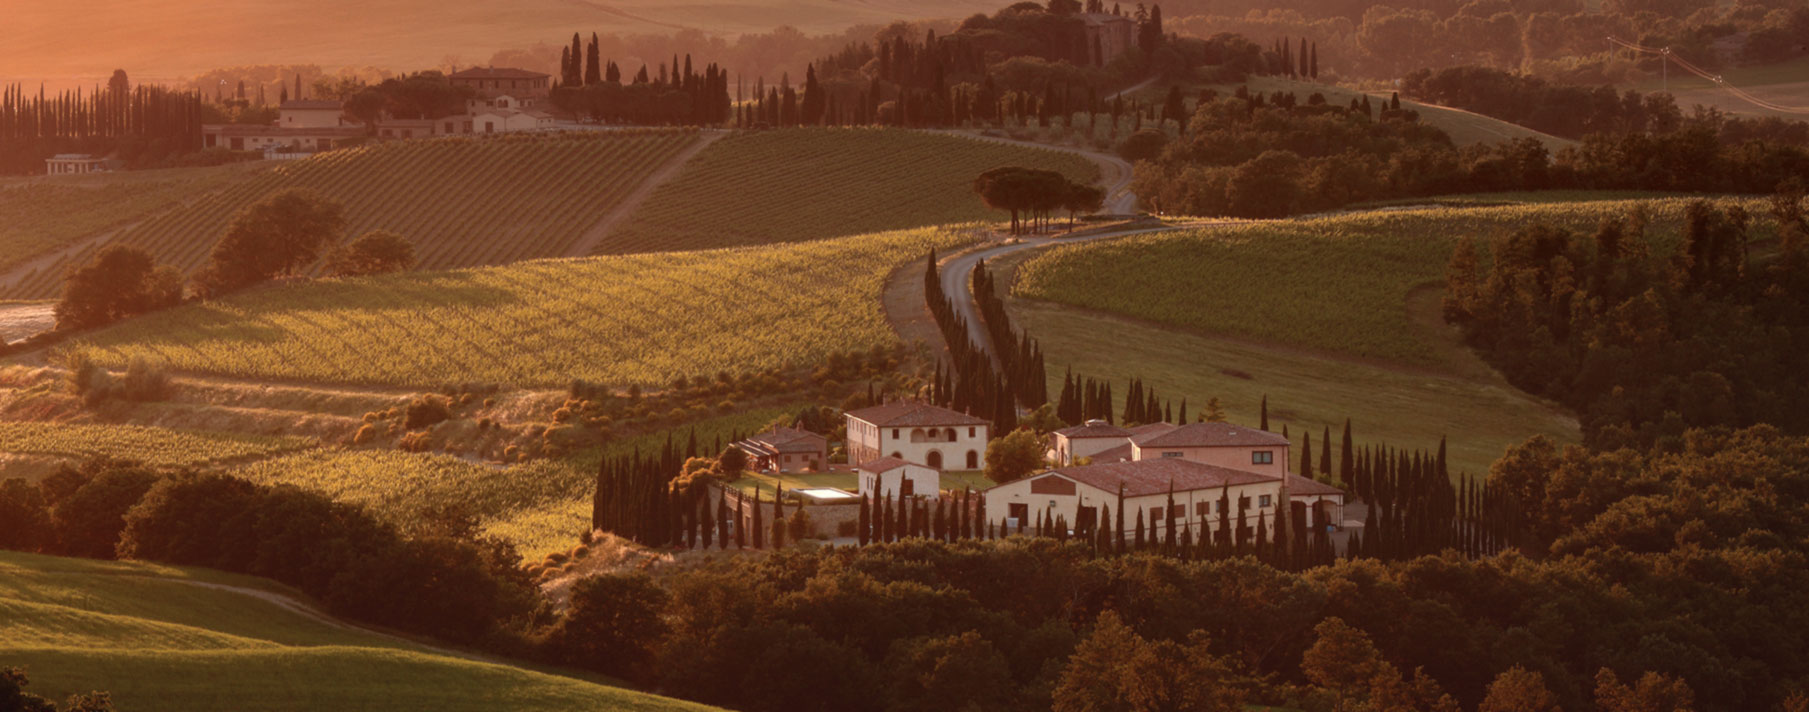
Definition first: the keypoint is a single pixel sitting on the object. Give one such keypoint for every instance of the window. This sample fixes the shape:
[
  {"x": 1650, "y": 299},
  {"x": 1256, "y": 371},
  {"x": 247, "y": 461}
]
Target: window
[
  {"x": 1201, "y": 509},
  {"x": 1243, "y": 503},
  {"x": 973, "y": 460},
  {"x": 1262, "y": 457},
  {"x": 895, "y": 432},
  {"x": 970, "y": 431},
  {"x": 1263, "y": 502},
  {"x": 1171, "y": 454}
]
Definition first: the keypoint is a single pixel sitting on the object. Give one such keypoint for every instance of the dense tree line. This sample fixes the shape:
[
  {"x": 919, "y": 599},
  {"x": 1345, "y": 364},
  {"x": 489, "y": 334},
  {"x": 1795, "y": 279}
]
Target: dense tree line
[
  {"x": 1035, "y": 194},
  {"x": 444, "y": 581},
  {"x": 1642, "y": 341},
  {"x": 591, "y": 87},
  {"x": 1020, "y": 357},
  {"x": 971, "y": 382},
  {"x": 1619, "y": 548},
  {"x": 142, "y": 126},
  {"x": 1254, "y": 156}
]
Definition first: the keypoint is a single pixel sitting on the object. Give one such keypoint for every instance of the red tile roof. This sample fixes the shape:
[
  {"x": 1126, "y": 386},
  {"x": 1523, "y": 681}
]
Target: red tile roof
[
  {"x": 497, "y": 73},
  {"x": 908, "y": 414},
  {"x": 1214, "y": 435},
  {"x": 1147, "y": 477},
  {"x": 1094, "y": 429},
  {"x": 881, "y": 464},
  {"x": 1150, "y": 430},
  {"x": 1298, "y": 485},
  {"x": 1121, "y": 453},
  {"x": 790, "y": 440}
]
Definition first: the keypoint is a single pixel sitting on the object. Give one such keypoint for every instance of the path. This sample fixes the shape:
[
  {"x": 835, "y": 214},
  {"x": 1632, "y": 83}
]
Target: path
[
  {"x": 22, "y": 321},
  {"x": 588, "y": 242},
  {"x": 17, "y": 274}
]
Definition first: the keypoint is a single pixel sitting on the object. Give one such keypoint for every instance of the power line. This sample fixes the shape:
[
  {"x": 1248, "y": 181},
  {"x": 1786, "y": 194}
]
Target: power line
[{"x": 1667, "y": 56}]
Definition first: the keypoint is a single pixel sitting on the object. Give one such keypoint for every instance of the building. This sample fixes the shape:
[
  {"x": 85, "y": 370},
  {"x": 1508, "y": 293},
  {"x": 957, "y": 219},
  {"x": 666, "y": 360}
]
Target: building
[
  {"x": 892, "y": 477},
  {"x": 786, "y": 450},
  {"x": 1080, "y": 495},
  {"x": 495, "y": 81},
  {"x": 312, "y": 114},
  {"x": 918, "y": 433},
  {"x": 64, "y": 164},
  {"x": 1068, "y": 445},
  {"x": 252, "y": 137},
  {"x": 495, "y": 121},
  {"x": 1108, "y": 36},
  {"x": 1248, "y": 465}
]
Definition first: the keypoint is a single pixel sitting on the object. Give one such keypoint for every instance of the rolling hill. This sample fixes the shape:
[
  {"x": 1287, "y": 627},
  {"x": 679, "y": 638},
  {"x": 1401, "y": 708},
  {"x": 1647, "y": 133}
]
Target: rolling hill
[
  {"x": 630, "y": 319},
  {"x": 763, "y": 187},
  {"x": 166, "y": 638}
]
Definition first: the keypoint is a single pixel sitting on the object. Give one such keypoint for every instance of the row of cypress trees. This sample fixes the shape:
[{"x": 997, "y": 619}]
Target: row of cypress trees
[
  {"x": 32, "y": 128},
  {"x": 945, "y": 518},
  {"x": 971, "y": 383},
  {"x": 1020, "y": 356}
]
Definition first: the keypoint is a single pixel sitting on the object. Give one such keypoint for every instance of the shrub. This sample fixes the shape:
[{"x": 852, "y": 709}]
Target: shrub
[
  {"x": 427, "y": 410},
  {"x": 374, "y": 252},
  {"x": 146, "y": 381},
  {"x": 366, "y": 433},
  {"x": 418, "y": 441}
]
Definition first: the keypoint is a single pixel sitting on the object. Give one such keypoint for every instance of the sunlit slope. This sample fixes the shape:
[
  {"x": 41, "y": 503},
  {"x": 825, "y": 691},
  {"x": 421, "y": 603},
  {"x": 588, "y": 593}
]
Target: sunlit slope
[
  {"x": 163, "y": 638},
  {"x": 463, "y": 201},
  {"x": 631, "y": 319},
  {"x": 763, "y": 187}
]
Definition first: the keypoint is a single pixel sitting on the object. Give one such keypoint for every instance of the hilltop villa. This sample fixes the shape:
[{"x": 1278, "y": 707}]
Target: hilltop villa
[
  {"x": 918, "y": 433},
  {"x": 786, "y": 450},
  {"x": 1202, "y": 463}
]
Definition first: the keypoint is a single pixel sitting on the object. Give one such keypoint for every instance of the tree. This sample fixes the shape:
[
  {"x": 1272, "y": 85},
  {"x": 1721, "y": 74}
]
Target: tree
[
  {"x": 1143, "y": 145},
  {"x": 1519, "y": 690},
  {"x": 24, "y": 516},
  {"x": 732, "y": 462},
  {"x": 374, "y": 252},
  {"x": 367, "y": 106},
  {"x": 1344, "y": 661},
  {"x": 13, "y": 696},
  {"x": 119, "y": 282},
  {"x": 612, "y": 624},
  {"x": 277, "y": 235},
  {"x": 1213, "y": 412},
  {"x": 1097, "y": 674},
  {"x": 1082, "y": 199},
  {"x": 949, "y": 673},
  {"x": 1653, "y": 693},
  {"x": 1014, "y": 456},
  {"x": 88, "y": 523}
]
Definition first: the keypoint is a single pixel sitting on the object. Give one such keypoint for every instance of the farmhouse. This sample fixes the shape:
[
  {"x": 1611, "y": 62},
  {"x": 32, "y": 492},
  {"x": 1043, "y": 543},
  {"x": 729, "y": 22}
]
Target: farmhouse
[
  {"x": 251, "y": 137},
  {"x": 786, "y": 450},
  {"x": 1108, "y": 36},
  {"x": 71, "y": 163},
  {"x": 918, "y": 433},
  {"x": 1246, "y": 467},
  {"x": 311, "y": 114},
  {"x": 892, "y": 477},
  {"x": 496, "y": 81}
]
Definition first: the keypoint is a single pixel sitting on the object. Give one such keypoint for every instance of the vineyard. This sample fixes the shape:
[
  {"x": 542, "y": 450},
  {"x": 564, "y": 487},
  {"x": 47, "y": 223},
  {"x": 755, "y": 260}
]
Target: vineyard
[
  {"x": 805, "y": 184},
  {"x": 1335, "y": 284},
  {"x": 162, "y": 638},
  {"x": 540, "y": 506},
  {"x": 154, "y": 446},
  {"x": 463, "y": 201},
  {"x": 40, "y": 215},
  {"x": 634, "y": 319}
]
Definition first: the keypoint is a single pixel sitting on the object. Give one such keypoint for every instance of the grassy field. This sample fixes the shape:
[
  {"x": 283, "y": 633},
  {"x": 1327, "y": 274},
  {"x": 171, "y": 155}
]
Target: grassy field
[
  {"x": 38, "y": 215},
  {"x": 464, "y": 202},
  {"x": 540, "y": 506},
  {"x": 1339, "y": 285},
  {"x": 164, "y": 638},
  {"x": 640, "y": 319},
  {"x": 151, "y": 445},
  {"x": 806, "y": 184}
]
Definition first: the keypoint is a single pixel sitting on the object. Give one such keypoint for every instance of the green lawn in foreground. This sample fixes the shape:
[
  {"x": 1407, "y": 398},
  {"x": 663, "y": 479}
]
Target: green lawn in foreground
[{"x": 159, "y": 642}]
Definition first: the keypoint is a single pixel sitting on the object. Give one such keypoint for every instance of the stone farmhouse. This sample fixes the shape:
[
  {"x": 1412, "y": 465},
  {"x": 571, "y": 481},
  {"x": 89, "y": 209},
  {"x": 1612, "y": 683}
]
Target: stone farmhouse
[
  {"x": 917, "y": 433},
  {"x": 892, "y": 477},
  {"x": 1205, "y": 465},
  {"x": 1108, "y": 36},
  {"x": 64, "y": 164},
  {"x": 786, "y": 450}
]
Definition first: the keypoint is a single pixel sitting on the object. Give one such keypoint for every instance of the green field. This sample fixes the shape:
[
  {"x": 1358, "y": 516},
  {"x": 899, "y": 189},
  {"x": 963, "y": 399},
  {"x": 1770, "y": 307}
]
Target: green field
[
  {"x": 164, "y": 638},
  {"x": 154, "y": 446},
  {"x": 463, "y": 201},
  {"x": 540, "y": 506},
  {"x": 1339, "y": 285},
  {"x": 635, "y": 319},
  {"x": 42, "y": 214},
  {"x": 763, "y": 187}
]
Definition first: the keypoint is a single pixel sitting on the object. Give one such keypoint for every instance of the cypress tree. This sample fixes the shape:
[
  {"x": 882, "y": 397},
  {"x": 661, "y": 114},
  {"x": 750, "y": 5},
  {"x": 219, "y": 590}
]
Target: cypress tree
[
  {"x": 1306, "y": 456},
  {"x": 1105, "y": 530},
  {"x": 779, "y": 516},
  {"x": 1346, "y": 460},
  {"x": 593, "y": 68},
  {"x": 1140, "y": 541},
  {"x": 722, "y": 519},
  {"x": 758, "y": 526},
  {"x": 1325, "y": 452},
  {"x": 708, "y": 519},
  {"x": 1265, "y": 414},
  {"x": 1183, "y": 413},
  {"x": 1168, "y": 516},
  {"x": 863, "y": 529},
  {"x": 1118, "y": 541},
  {"x": 740, "y": 526}
]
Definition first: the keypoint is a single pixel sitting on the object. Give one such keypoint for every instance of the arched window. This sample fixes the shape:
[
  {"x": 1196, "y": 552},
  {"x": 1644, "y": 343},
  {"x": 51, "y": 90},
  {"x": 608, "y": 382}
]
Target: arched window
[
  {"x": 896, "y": 455},
  {"x": 973, "y": 460},
  {"x": 935, "y": 459}
]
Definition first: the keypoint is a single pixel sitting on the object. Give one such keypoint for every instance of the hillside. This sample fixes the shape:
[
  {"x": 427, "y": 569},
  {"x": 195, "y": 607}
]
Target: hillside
[
  {"x": 463, "y": 201},
  {"x": 634, "y": 319},
  {"x": 1784, "y": 83},
  {"x": 1331, "y": 318},
  {"x": 805, "y": 184},
  {"x": 159, "y": 40},
  {"x": 165, "y": 638},
  {"x": 162, "y": 447}
]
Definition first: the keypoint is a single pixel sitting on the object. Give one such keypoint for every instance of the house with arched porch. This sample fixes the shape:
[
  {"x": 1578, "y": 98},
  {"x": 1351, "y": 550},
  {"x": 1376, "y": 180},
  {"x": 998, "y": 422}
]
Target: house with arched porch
[{"x": 918, "y": 433}]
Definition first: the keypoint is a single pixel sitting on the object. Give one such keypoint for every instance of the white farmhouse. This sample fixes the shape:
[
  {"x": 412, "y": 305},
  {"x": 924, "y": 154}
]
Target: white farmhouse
[
  {"x": 918, "y": 433},
  {"x": 892, "y": 477}
]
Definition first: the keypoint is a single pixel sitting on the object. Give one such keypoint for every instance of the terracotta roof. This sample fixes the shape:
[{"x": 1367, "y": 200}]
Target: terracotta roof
[
  {"x": 881, "y": 464},
  {"x": 1093, "y": 429},
  {"x": 1121, "y": 453},
  {"x": 311, "y": 104},
  {"x": 1146, "y": 431},
  {"x": 1213, "y": 435},
  {"x": 907, "y": 414},
  {"x": 1147, "y": 477},
  {"x": 790, "y": 440},
  {"x": 1302, "y": 485},
  {"x": 497, "y": 73}
]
